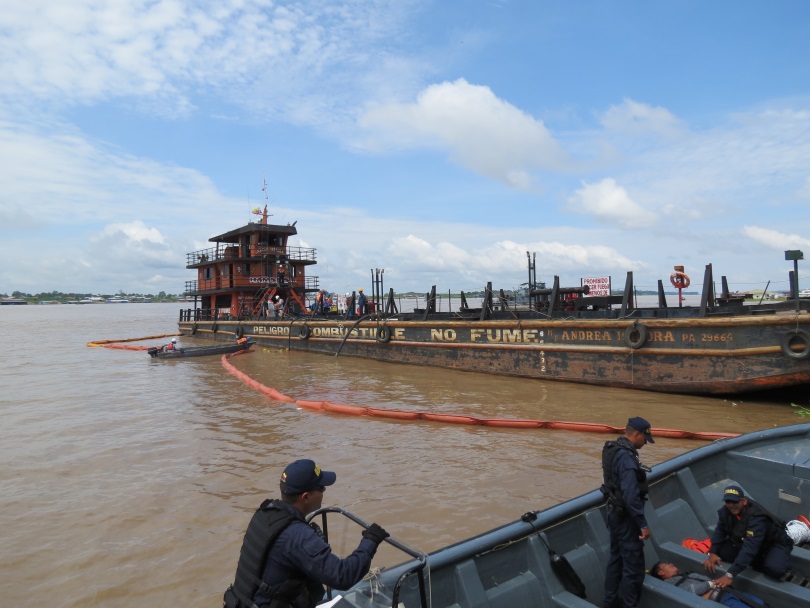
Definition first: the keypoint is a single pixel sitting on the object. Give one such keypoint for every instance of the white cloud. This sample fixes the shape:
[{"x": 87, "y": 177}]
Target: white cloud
[
  {"x": 754, "y": 159},
  {"x": 135, "y": 231},
  {"x": 775, "y": 239},
  {"x": 503, "y": 262},
  {"x": 479, "y": 131},
  {"x": 308, "y": 61},
  {"x": 633, "y": 117},
  {"x": 608, "y": 202}
]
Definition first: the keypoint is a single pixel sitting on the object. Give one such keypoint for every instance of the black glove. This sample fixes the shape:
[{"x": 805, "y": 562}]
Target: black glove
[{"x": 375, "y": 534}]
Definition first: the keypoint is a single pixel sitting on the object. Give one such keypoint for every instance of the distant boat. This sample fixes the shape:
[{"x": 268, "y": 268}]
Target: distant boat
[
  {"x": 12, "y": 301},
  {"x": 117, "y": 301}
]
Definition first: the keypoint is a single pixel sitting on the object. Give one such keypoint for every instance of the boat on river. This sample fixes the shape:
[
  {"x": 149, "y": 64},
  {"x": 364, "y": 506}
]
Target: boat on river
[
  {"x": 721, "y": 345},
  {"x": 199, "y": 351},
  {"x": 517, "y": 565}
]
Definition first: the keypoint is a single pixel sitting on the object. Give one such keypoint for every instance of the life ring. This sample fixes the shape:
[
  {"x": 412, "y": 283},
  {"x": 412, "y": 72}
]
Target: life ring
[
  {"x": 304, "y": 332},
  {"x": 679, "y": 280},
  {"x": 796, "y": 338},
  {"x": 214, "y": 328},
  {"x": 239, "y": 332},
  {"x": 194, "y": 329},
  {"x": 635, "y": 335},
  {"x": 383, "y": 334}
]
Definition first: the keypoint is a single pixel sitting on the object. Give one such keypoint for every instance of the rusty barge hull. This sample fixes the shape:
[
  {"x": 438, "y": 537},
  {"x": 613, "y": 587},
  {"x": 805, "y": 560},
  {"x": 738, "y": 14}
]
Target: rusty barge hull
[{"x": 724, "y": 355}]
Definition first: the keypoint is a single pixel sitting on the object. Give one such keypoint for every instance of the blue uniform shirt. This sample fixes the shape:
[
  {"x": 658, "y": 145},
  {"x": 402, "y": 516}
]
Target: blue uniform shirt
[
  {"x": 625, "y": 470},
  {"x": 299, "y": 550},
  {"x": 756, "y": 529}
]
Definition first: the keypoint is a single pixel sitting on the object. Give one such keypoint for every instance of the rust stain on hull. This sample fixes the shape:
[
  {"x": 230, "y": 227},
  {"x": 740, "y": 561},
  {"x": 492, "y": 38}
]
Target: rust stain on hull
[{"x": 693, "y": 356}]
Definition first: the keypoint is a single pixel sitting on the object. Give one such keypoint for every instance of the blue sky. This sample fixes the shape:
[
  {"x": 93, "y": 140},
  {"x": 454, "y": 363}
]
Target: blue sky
[{"x": 440, "y": 140}]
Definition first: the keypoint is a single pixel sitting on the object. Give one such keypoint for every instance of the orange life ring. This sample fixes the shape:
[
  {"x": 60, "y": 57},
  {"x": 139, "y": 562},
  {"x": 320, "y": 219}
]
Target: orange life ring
[{"x": 679, "y": 280}]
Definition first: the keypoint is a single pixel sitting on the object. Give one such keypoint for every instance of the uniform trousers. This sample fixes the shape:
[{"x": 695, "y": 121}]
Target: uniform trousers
[
  {"x": 624, "y": 576},
  {"x": 774, "y": 561}
]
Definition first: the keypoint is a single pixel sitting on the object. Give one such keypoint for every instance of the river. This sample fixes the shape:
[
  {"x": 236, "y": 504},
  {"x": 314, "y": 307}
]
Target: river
[{"x": 130, "y": 481}]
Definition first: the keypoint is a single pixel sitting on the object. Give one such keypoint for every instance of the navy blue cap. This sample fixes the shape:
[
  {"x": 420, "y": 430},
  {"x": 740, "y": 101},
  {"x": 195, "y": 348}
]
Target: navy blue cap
[
  {"x": 733, "y": 494},
  {"x": 642, "y": 426},
  {"x": 303, "y": 476}
]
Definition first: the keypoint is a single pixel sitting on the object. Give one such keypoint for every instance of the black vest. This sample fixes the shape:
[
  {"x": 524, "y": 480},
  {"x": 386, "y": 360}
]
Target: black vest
[
  {"x": 776, "y": 534},
  {"x": 268, "y": 522},
  {"x": 611, "y": 487}
]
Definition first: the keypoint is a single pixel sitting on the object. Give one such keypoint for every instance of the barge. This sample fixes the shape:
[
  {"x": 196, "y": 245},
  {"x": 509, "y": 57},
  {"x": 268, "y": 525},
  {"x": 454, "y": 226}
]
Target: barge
[{"x": 252, "y": 282}]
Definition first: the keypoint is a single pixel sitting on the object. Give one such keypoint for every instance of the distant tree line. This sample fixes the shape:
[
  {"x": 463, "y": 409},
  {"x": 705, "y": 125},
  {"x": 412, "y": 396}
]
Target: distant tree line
[{"x": 58, "y": 296}]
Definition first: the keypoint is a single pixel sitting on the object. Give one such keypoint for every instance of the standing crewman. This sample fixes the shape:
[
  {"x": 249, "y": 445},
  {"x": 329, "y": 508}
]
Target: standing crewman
[
  {"x": 625, "y": 488},
  {"x": 362, "y": 303}
]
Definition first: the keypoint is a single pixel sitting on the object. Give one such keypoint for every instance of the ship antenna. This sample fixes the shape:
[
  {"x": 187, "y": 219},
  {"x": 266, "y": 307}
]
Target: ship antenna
[{"x": 264, "y": 189}]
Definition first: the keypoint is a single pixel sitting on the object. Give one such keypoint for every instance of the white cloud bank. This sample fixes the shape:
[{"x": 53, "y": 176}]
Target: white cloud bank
[
  {"x": 479, "y": 130},
  {"x": 775, "y": 239},
  {"x": 608, "y": 202}
]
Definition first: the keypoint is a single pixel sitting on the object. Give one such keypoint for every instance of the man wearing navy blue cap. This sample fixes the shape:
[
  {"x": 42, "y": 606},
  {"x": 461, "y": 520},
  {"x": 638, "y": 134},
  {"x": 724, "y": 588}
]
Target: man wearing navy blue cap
[
  {"x": 748, "y": 535},
  {"x": 285, "y": 561},
  {"x": 625, "y": 488}
]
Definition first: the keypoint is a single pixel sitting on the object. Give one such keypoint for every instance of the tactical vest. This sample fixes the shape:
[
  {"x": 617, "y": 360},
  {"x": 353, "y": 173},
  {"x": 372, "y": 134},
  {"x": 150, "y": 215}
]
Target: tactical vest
[
  {"x": 611, "y": 487},
  {"x": 269, "y": 521},
  {"x": 775, "y": 535}
]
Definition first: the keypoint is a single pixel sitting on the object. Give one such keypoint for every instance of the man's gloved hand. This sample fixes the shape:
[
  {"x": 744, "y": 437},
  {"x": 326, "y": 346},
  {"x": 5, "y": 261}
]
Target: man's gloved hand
[{"x": 375, "y": 534}]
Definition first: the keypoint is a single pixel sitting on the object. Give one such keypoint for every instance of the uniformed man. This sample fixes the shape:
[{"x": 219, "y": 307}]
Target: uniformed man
[
  {"x": 625, "y": 487},
  {"x": 298, "y": 560},
  {"x": 747, "y": 535}
]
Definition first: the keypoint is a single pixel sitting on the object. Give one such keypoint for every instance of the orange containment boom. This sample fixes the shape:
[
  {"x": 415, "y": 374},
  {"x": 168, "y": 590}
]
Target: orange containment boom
[
  {"x": 358, "y": 410},
  {"x": 117, "y": 343}
]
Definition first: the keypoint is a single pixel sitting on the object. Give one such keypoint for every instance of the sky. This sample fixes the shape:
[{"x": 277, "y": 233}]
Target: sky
[{"x": 440, "y": 140}]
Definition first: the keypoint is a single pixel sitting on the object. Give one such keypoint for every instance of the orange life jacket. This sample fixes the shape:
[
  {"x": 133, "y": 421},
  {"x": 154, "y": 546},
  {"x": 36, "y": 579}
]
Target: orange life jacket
[{"x": 701, "y": 546}]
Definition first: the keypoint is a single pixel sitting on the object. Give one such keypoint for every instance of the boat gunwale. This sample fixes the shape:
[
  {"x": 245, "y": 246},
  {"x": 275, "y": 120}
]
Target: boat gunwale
[{"x": 520, "y": 530}]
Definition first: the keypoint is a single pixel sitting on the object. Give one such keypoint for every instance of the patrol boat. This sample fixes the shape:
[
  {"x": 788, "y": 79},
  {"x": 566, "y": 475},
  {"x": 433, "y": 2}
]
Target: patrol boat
[
  {"x": 557, "y": 557},
  {"x": 574, "y": 334}
]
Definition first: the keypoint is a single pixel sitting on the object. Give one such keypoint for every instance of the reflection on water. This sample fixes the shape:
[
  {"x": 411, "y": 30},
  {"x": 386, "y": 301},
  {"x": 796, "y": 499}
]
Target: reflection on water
[{"x": 131, "y": 480}]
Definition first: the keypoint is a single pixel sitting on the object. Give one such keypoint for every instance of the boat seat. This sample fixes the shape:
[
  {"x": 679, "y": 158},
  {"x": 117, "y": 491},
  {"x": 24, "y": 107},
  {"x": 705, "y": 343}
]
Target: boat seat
[
  {"x": 705, "y": 512},
  {"x": 674, "y": 521},
  {"x": 585, "y": 562},
  {"x": 566, "y": 599},
  {"x": 597, "y": 536},
  {"x": 657, "y": 593},
  {"x": 520, "y": 590},
  {"x": 518, "y": 575},
  {"x": 469, "y": 590},
  {"x": 800, "y": 560}
]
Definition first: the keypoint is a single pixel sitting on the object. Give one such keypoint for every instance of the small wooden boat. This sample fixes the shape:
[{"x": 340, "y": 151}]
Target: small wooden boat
[
  {"x": 518, "y": 565},
  {"x": 199, "y": 351}
]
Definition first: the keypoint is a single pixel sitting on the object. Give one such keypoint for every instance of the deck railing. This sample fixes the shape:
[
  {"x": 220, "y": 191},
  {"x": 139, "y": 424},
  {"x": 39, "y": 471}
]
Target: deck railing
[
  {"x": 308, "y": 283},
  {"x": 214, "y": 254}
]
